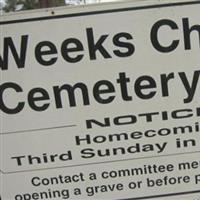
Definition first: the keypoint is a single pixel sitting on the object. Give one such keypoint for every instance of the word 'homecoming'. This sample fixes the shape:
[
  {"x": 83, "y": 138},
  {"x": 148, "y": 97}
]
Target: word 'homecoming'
[{"x": 73, "y": 49}]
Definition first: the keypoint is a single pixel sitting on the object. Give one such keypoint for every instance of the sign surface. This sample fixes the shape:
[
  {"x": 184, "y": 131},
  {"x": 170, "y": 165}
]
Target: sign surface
[{"x": 101, "y": 102}]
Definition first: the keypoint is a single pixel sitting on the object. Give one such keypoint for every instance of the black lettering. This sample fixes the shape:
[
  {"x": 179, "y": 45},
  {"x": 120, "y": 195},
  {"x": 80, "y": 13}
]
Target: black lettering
[
  {"x": 180, "y": 114},
  {"x": 19, "y": 58},
  {"x": 123, "y": 80},
  {"x": 98, "y": 46},
  {"x": 35, "y": 95},
  {"x": 18, "y": 159},
  {"x": 190, "y": 88},
  {"x": 117, "y": 42},
  {"x": 87, "y": 153},
  {"x": 71, "y": 94},
  {"x": 3, "y": 107},
  {"x": 125, "y": 120},
  {"x": 187, "y": 33},
  {"x": 86, "y": 139},
  {"x": 43, "y": 49},
  {"x": 106, "y": 122},
  {"x": 154, "y": 36},
  {"x": 97, "y": 91},
  {"x": 76, "y": 47},
  {"x": 140, "y": 85},
  {"x": 164, "y": 83},
  {"x": 149, "y": 116}
]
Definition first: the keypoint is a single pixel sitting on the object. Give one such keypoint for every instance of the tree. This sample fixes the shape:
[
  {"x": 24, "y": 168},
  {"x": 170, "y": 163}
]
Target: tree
[
  {"x": 10, "y": 5},
  {"x": 51, "y": 3},
  {"x": 29, "y": 4},
  {"x": 14, "y": 5}
]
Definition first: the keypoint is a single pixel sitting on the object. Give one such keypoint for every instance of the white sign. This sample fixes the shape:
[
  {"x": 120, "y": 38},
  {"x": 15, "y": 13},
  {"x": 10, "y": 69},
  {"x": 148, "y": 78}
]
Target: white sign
[{"x": 101, "y": 102}]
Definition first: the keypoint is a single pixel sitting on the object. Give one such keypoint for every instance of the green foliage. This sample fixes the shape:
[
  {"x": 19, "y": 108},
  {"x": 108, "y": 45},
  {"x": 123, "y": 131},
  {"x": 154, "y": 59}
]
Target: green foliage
[
  {"x": 29, "y": 4},
  {"x": 13, "y": 5},
  {"x": 10, "y": 5}
]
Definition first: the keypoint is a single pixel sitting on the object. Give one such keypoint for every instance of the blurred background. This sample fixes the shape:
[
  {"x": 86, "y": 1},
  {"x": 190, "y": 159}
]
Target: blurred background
[{"x": 18, "y": 5}]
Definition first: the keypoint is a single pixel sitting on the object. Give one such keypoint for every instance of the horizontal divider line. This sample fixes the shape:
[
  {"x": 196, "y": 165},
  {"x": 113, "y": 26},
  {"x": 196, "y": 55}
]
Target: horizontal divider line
[
  {"x": 97, "y": 163},
  {"x": 39, "y": 129}
]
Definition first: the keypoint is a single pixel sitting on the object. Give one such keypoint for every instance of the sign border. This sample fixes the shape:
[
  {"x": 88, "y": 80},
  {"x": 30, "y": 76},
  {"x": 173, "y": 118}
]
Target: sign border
[{"x": 99, "y": 12}]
